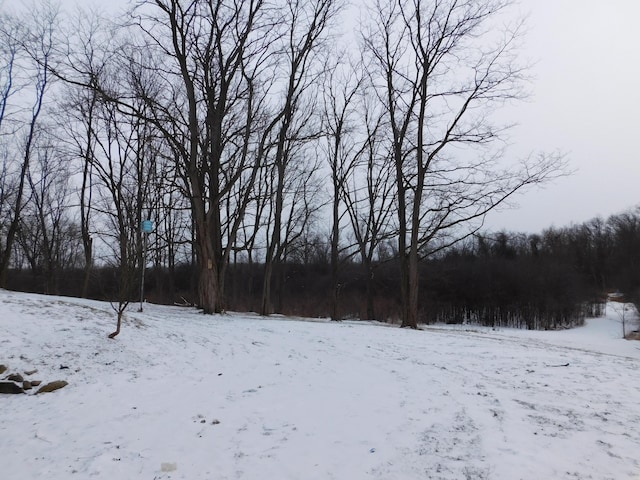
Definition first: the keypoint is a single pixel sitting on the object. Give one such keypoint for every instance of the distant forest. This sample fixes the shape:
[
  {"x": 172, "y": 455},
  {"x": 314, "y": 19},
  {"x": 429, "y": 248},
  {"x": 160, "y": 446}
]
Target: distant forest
[{"x": 549, "y": 280}]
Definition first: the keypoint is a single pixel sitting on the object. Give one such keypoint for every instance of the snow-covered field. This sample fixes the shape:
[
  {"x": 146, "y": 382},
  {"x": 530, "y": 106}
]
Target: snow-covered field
[{"x": 180, "y": 395}]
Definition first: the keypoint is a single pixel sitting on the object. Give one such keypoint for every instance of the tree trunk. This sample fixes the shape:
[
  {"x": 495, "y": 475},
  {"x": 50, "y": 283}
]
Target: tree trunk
[
  {"x": 405, "y": 275},
  {"x": 208, "y": 287},
  {"x": 88, "y": 256},
  {"x": 368, "y": 270},
  {"x": 274, "y": 245},
  {"x": 118, "y": 324},
  {"x": 335, "y": 286},
  {"x": 413, "y": 277},
  {"x": 18, "y": 206},
  {"x": 411, "y": 318}
]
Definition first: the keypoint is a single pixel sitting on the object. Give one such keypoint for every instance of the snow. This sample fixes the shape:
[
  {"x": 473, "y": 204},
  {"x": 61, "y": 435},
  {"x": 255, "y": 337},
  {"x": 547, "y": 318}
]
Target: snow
[{"x": 181, "y": 395}]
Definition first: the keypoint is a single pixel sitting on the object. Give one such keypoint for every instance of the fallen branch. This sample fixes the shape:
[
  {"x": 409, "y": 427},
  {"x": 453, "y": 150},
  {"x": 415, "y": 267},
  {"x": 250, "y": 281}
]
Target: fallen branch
[{"x": 184, "y": 303}]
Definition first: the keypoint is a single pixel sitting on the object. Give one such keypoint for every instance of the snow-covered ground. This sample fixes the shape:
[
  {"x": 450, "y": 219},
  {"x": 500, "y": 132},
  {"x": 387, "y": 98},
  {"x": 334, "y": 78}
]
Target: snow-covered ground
[{"x": 180, "y": 395}]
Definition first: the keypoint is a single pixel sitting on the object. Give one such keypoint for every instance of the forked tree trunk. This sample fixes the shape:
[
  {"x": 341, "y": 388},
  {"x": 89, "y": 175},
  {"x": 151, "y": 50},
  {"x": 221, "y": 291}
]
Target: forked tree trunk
[{"x": 119, "y": 322}]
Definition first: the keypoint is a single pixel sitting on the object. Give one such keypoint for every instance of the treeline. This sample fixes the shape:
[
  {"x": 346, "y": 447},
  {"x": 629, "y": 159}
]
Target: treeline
[
  {"x": 549, "y": 280},
  {"x": 251, "y": 139}
]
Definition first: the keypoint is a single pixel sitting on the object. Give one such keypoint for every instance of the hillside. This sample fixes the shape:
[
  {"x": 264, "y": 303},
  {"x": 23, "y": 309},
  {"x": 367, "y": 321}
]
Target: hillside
[{"x": 180, "y": 395}]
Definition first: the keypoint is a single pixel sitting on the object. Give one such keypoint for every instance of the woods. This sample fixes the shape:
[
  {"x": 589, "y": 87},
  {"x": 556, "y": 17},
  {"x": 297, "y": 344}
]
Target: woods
[{"x": 283, "y": 173}]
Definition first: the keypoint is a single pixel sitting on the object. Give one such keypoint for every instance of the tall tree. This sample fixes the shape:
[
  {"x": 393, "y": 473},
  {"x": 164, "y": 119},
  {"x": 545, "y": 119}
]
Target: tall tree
[
  {"x": 340, "y": 93},
  {"x": 369, "y": 195},
  {"x": 307, "y": 25},
  {"x": 122, "y": 164},
  {"x": 439, "y": 68},
  {"x": 90, "y": 41},
  {"x": 28, "y": 47},
  {"x": 50, "y": 213},
  {"x": 203, "y": 51}
]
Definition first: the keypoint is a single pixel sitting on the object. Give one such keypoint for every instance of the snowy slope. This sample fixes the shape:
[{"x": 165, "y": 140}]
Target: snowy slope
[{"x": 179, "y": 395}]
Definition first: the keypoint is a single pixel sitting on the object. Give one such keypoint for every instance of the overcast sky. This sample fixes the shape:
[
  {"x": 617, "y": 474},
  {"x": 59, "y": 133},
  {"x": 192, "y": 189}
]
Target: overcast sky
[{"x": 585, "y": 102}]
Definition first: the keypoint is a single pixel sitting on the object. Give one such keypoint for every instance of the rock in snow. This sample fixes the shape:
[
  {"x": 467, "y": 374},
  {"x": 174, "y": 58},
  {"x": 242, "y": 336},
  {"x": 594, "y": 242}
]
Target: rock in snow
[
  {"x": 52, "y": 386},
  {"x": 10, "y": 387}
]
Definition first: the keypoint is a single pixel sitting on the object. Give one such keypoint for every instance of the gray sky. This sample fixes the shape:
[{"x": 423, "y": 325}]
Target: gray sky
[{"x": 585, "y": 102}]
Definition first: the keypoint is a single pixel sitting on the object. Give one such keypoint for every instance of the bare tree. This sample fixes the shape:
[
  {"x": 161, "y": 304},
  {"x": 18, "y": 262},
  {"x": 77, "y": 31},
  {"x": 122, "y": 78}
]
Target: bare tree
[
  {"x": 215, "y": 59},
  {"x": 85, "y": 145},
  {"x": 307, "y": 23},
  {"x": 201, "y": 53},
  {"x": 369, "y": 195},
  {"x": 33, "y": 42},
  {"x": 11, "y": 35},
  {"x": 341, "y": 89},
  {"x": 48, "y": 182},
  {"x": 439, "y": 68},
  {"x": 170, "y": 214},
  {"x": 300, "y": 217},
  {"x": 87, "y": 46},
  {"x": 122, "y": 163}
]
